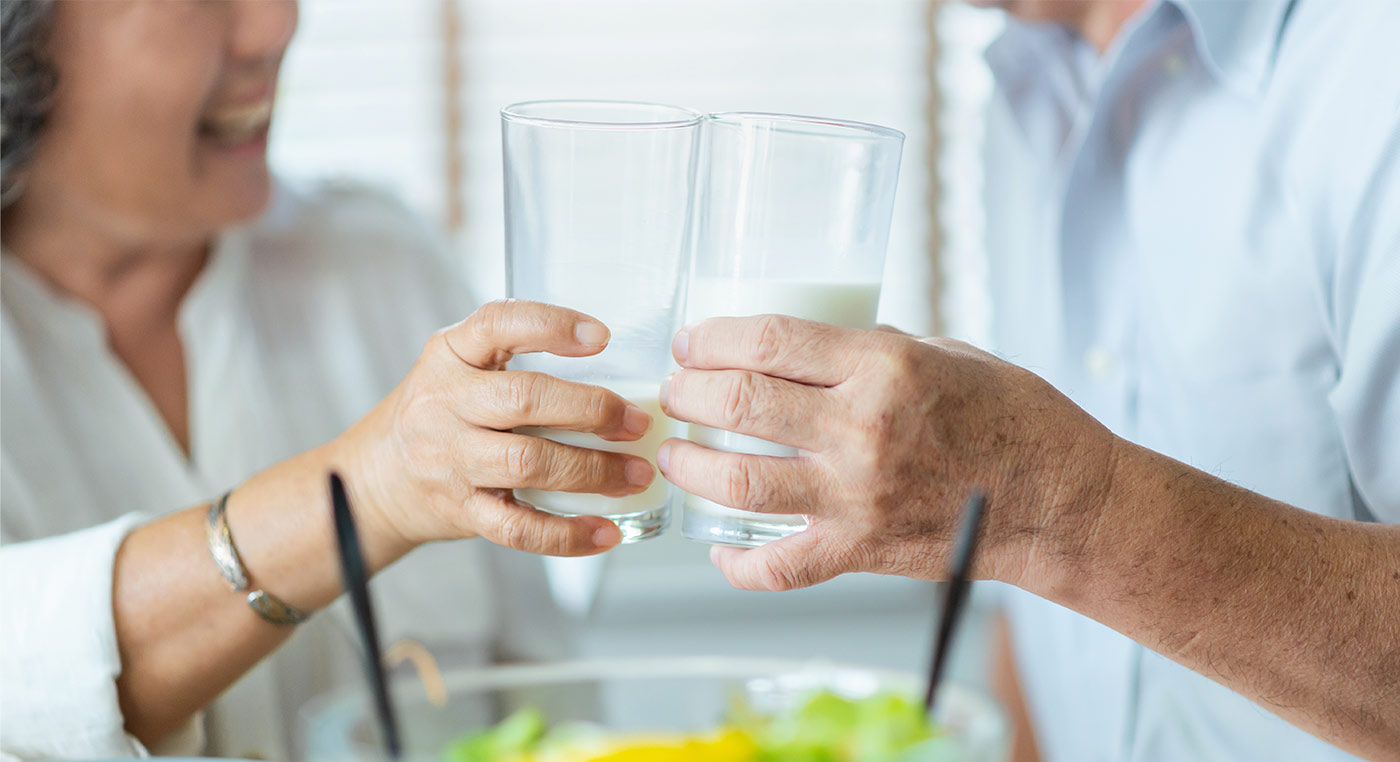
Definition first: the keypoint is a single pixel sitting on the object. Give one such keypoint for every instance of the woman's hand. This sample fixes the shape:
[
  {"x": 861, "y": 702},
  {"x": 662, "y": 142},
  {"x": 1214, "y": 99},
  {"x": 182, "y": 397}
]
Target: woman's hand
[
  {"x": 436, "y": 459},
  {"x": 894, "y": 434}
]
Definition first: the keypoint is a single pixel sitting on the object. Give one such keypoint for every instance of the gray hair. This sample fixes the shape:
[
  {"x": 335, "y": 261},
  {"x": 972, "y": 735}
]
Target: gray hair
[{"x": 26, "y": 83}]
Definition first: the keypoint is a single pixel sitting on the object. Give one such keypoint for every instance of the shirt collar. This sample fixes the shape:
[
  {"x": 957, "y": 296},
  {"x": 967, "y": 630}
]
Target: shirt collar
[
  {"x": 1021, "y": 53},
  {"x": 1238, "y": 39},
  {"x": 32, "y": 302},
  {"x": 32, "y": 299}
]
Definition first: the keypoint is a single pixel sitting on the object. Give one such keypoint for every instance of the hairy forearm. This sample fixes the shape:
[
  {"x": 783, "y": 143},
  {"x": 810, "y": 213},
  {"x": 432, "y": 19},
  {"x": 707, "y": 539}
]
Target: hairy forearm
[
  {"x": 184, "y": 636},
  {"x": 1296, "y": 611}
]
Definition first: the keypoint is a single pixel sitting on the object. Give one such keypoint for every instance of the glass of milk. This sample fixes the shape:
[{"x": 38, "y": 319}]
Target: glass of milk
[
  {"x": 598, "y": 212},
  {"x": 793, "y": 219}
]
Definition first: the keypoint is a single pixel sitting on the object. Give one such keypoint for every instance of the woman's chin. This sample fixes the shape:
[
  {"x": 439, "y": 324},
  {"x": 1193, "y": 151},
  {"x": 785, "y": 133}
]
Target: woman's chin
[
  {"x": 244, "y": 200},
  {"x": 235, "y": 177}
]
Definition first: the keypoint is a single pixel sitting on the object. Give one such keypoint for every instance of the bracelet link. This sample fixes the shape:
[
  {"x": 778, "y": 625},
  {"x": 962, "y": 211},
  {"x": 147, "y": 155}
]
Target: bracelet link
[
  {"x": 275, "y": 610},
  {"x": 230, "y": 565},
  {"x": 221, "y": 544}
]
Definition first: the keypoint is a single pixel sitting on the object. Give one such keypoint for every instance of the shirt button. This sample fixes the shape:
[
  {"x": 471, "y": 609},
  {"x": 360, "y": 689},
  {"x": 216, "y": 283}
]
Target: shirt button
[
  {"x": 1099, "y": 363},
  {"x": 1173, "y": 64}
]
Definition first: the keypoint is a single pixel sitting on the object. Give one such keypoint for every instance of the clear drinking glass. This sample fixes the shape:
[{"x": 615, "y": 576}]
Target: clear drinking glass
[
  {"x": 598, "y": 205},
  {"x": 794, "y": 218}
]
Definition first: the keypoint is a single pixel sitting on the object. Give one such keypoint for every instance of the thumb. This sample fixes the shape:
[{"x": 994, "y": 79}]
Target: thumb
[
  {"x": 886, "y": 328},
  {"x": 514, "y": 523},
  {"x": 787, "y": 564}
]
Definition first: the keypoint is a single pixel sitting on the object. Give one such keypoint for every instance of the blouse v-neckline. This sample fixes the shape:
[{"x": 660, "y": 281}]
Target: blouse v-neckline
[{"x": 207, "y": 324}]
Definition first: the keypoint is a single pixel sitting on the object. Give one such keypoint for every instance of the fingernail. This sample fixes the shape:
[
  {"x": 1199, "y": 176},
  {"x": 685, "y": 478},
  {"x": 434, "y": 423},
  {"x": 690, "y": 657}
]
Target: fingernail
[
  {"x": 639, "y": 473},
  {"x": 607, "y": 536},
  {"x": 664, "y": 397},
  {"x": 663, "y": 458},
  {"x": 635, "y": 420},
  {"x": 680, "y": 346},
  {"x": 591, "y": 334}
]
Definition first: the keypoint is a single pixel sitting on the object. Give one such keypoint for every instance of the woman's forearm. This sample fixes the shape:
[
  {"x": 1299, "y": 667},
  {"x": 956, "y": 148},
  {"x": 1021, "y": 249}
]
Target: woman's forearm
[
  {"x": 184, "y": 636},
  {"x": 1297, "y": 611},
  {"x": 434, "y": 460}
]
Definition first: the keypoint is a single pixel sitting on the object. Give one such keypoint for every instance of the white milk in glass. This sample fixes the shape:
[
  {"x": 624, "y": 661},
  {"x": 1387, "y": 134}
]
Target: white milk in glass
[
  {"x": 587, "y": 504},
  {"x": 849, "y": 305}
]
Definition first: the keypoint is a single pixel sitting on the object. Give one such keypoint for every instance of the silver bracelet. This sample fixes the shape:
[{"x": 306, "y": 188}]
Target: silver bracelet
[{"x": 267, "y": 605}]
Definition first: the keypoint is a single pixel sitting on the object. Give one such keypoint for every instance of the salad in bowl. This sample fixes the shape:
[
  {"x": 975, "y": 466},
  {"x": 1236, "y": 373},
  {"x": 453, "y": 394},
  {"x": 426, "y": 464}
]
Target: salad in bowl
[{"x": 668, "y": 710}]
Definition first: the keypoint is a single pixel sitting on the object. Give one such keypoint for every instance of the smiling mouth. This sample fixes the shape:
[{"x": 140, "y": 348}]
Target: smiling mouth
[{"x": 236, "y": 125}]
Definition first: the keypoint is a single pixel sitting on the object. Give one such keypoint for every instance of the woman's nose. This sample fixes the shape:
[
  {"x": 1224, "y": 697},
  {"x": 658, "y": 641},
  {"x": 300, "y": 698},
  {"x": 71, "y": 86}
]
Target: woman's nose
[{"x": 262, "y": 30}]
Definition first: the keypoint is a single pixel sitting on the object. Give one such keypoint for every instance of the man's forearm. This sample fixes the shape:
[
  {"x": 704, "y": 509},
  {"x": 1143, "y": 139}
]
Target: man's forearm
[{"x": 1297, "y": 611}]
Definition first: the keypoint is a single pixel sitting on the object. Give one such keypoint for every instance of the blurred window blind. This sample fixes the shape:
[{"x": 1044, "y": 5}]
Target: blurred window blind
[
  {"x": 361, "y": 96},
  {"x": 366, "y": 93}
]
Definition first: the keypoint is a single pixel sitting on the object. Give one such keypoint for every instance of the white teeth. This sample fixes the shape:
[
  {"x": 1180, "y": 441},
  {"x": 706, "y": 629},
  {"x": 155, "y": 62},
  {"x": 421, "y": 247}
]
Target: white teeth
[{"x": 237, "y": 124}]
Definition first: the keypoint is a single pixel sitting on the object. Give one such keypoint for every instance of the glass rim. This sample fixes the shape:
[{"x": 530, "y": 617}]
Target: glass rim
[
  {"x": 515, "y": 113},
  {"x": 738, "y": 118}
]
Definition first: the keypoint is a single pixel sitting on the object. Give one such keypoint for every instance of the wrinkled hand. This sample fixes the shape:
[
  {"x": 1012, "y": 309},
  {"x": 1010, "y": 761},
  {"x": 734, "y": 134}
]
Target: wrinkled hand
[
  {"x": 894, "y": 433},
  {"x": 436, "y": 458}
]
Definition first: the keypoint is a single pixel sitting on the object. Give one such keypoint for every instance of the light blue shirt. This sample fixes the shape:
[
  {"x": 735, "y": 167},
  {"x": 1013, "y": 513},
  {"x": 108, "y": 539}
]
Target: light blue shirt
[{"x": 1197, "y": 237}]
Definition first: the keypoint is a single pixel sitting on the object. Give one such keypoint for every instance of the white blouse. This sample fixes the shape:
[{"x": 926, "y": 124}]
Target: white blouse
[{"x": 298, "y": 325}]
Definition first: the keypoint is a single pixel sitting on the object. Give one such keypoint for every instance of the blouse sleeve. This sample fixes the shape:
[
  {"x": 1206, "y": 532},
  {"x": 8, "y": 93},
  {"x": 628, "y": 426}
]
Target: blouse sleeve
[{"x": 58, "y": 647}]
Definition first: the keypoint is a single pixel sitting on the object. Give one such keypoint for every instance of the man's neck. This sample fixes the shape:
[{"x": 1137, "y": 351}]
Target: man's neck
[
  {"x": 1100, "y": 22},
  {"x": 1097, "y": 21}
]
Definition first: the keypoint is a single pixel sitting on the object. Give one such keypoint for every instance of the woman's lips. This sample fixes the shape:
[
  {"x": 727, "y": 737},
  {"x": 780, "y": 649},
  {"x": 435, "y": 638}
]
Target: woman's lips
[{"x": 230, "y": 126}]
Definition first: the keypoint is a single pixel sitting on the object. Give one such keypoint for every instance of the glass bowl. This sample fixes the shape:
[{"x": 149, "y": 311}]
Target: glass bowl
[{"x": 640, "y": 694}]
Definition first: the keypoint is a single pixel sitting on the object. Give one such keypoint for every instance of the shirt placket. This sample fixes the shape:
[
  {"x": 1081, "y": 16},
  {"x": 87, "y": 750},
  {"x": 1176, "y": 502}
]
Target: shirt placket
[{"x": 1100, "y": 298}]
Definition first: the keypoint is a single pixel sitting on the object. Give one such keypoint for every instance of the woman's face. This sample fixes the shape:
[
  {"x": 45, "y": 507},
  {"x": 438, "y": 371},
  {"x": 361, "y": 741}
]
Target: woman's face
[{"x": 158, "y": 127}]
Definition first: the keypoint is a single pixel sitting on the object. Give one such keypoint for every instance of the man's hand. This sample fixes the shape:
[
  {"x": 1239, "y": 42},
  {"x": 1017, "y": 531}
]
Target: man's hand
[
  {"x": 893, "y": 433},
  {"x": 1294, "y": 610}
]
